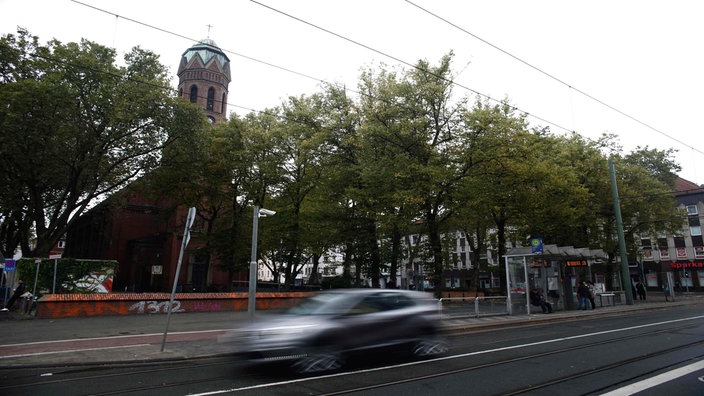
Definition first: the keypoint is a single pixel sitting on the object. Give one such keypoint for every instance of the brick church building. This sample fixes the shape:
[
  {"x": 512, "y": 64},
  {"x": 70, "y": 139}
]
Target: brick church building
[{"x": 144, "y": 236}]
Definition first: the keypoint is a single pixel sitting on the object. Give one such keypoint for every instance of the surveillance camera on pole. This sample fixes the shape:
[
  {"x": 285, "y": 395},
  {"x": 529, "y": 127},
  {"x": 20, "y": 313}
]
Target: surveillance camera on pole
[{"x": 266, "y": 212}]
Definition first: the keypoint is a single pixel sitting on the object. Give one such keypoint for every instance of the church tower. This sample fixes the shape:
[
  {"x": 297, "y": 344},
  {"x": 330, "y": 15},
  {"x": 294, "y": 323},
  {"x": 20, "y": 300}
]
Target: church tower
[{"x": 203, "y": 78}]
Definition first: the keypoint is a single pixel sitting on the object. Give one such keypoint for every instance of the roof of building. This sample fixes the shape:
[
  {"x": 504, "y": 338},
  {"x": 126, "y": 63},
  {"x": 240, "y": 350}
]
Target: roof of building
[
  {"x": 683, "y": 186},
  {"x": 554, "y": 252},
  {"x": 207, "y": 49}
]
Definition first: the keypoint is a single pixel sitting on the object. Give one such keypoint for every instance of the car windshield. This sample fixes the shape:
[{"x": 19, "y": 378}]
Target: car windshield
[{"x": 322, "y": 304}]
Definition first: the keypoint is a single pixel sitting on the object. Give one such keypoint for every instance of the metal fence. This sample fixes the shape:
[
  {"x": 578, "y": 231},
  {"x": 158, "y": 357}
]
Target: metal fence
[{"x": 458, "y": 307}]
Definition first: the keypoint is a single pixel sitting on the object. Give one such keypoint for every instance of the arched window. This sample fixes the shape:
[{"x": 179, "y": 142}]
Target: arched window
[
  {"x": 223, "y": 104},
  {"x": 194, "y": 94},
  {"x": 211, "y": 99}
]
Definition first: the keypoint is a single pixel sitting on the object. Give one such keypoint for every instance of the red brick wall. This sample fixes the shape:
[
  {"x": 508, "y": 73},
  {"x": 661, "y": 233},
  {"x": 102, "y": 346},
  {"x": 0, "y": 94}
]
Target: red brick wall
[{"x": 71, "y": 305}]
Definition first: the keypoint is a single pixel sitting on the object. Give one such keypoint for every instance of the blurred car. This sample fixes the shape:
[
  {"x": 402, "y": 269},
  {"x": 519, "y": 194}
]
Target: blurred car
[{"x": 325, "y": 329}]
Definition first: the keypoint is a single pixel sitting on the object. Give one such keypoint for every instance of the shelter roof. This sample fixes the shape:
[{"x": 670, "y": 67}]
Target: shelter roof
[{"x": 558, "y": 253}]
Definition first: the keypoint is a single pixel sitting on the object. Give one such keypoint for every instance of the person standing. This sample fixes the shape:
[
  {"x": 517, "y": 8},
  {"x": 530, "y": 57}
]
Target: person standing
[
  {"x": 640, "y": 288},
  {"x": 592, "y": 294},
  {"x": 667, "y": 291},
  {"x": 582, "y": 296},
  {"x": 19, "y": 291}
]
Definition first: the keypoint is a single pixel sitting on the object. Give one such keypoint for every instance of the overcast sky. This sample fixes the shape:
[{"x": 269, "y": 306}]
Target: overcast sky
[{"x": 634, "y": 68}]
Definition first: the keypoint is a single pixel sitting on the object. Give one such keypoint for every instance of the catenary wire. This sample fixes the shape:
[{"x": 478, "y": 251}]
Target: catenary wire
[
  {"x": 272, "y": 65},
  {"x": 394, "y": 58},
  {"x": 488, "y": 97},
  {"x": 413, "y": 66},
  {"x": 549, "y": 75},
  {"x": 283, "y": 116}
]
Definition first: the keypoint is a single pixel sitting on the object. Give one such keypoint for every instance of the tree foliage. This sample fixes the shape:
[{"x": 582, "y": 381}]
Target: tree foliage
[
  {"x": 76, "y": 127},
  {"x": 353, "y": 174},
  {"x": 408, "y": 158}
]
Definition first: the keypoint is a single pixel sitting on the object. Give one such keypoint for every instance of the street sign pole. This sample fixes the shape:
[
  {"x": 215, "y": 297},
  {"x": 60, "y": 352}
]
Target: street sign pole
[
  {"x": 4, "y": 276},
  {"x": 53, "y": 287},
  {"x": 36, "y": 277},
  {"x": 56, "y": 258},
  {"x": 8, "y": 266},
  {"x": 184, "y": 244}
]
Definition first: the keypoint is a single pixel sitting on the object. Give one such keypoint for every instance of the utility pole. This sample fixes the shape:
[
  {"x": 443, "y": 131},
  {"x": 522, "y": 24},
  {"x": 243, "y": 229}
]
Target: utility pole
[{"x": 625, "y": 275}]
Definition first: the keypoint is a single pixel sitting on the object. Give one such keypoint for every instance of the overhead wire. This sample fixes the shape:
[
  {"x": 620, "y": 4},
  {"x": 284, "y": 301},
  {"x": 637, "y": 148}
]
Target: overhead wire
[
  {"x": 295, "y": 72},
  {"x": 323, "y": 81},
  {"x": 304, "y": 75},
  {"x": 455, "y": 83},
  {"x": 301, "y": 74},
  {"x": 320, "y": 80},
  {"x": 551, "y": 76}
]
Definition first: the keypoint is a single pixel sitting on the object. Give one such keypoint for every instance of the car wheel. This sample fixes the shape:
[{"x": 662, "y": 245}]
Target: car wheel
[
  {"x": 430, "y": 346},
  {"x": 318, "y": 360}
]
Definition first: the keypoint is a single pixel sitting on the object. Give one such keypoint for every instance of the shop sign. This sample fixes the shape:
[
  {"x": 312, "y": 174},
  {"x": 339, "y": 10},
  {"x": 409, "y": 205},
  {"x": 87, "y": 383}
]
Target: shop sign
[
  {"x": 681, "y": 265},
  {"x": 577, "y": 263}
]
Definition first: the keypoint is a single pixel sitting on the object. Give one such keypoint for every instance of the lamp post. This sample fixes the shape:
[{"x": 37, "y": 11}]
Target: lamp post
[{"x": 251, "y": 301}]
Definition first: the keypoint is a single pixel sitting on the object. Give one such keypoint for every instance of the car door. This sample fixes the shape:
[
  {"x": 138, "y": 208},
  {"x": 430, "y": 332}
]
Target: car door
[{"x": 375, "y": 321}]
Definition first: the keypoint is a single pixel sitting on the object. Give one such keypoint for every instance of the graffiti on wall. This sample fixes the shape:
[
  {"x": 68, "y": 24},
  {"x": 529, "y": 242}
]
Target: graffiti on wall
[{"x": 155, "y": 307}]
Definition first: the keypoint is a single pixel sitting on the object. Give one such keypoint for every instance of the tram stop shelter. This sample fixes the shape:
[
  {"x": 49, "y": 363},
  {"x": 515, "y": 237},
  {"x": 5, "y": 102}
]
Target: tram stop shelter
[{"x": 555, "y": 270}]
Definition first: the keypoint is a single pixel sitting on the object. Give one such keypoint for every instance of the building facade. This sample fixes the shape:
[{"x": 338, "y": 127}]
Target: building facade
[
  {"x": 678, "y": 256},
  {"x": 145, "y": 235}
]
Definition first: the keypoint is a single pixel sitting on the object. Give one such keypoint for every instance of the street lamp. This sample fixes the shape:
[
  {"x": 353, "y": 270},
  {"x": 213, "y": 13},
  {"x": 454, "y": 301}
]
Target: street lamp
[{"x": 251, "y": 302}]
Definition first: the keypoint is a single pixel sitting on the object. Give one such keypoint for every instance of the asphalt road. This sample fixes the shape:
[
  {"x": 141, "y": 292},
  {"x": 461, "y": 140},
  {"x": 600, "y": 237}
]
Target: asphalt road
[{"x": 591, "y": 355}]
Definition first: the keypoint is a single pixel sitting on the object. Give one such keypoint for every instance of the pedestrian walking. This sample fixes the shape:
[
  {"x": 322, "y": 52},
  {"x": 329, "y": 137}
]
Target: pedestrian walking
[
  {"x": 640, "y": 288},
  {"x": 634, "y": 293},
  {"x": 19, "y": 291}
]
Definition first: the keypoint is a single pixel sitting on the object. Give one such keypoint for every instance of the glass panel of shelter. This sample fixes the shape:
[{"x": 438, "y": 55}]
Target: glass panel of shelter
[
  {"x": 516, "y": 282},
  {"x": 544, "y": 275}
]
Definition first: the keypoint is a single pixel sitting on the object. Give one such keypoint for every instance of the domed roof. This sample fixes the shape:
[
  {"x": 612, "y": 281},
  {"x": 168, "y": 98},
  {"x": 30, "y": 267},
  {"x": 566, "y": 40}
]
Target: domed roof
[{"x": 207, "y": 49}]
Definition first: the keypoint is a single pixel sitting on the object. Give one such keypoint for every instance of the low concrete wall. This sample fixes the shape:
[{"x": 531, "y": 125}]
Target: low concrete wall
[{"x": 71, "y": 305}]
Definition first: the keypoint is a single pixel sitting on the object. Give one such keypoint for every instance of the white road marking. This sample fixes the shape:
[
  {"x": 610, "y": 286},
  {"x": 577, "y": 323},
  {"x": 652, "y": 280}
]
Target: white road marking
[
  {"x": 657, "y": 380},
  {"x": 561, "y": 339},
  {"x": 74, "y": 350},
  {"x": 112, "y": 337}
]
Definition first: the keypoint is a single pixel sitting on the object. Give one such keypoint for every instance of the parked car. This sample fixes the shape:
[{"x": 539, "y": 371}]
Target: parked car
[{"x": 322, "y": 331}]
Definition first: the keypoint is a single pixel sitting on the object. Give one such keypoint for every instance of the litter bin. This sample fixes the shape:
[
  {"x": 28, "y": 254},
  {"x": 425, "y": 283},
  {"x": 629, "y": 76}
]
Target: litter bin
[{"x": 25, "y": 303}]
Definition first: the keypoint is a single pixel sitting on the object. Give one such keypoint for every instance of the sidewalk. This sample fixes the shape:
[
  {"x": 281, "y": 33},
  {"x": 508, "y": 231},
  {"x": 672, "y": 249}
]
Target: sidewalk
[{"x": 30, "y": 342}]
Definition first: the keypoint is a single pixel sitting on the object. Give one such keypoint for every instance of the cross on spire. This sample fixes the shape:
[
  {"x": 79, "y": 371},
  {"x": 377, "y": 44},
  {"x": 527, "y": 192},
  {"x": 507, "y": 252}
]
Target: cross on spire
[{"x": 209, "y": 26}]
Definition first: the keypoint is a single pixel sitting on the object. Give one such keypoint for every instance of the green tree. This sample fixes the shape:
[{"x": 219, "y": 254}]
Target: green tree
[
  {"x": 412, "y": 164},
  {"x": 75, "y": 128},
  {"x": 246, "y": 156},
  {"x": 497, "y": 149}
]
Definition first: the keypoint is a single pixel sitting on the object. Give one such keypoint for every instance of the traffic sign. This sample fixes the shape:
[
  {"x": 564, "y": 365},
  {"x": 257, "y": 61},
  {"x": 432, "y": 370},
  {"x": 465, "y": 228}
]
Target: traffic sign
[{"x": 9, "y": 265}]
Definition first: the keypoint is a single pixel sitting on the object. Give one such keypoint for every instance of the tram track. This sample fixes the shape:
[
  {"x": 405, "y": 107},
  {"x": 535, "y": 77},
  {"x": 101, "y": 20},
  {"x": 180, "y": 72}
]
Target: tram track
[
  {"x": 218, "y": 365},
  {"x": 533, "y": 386}
]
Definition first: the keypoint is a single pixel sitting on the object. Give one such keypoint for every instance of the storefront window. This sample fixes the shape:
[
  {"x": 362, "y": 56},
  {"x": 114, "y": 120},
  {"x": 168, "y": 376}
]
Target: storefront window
[{"x": 699, "y": 251}]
